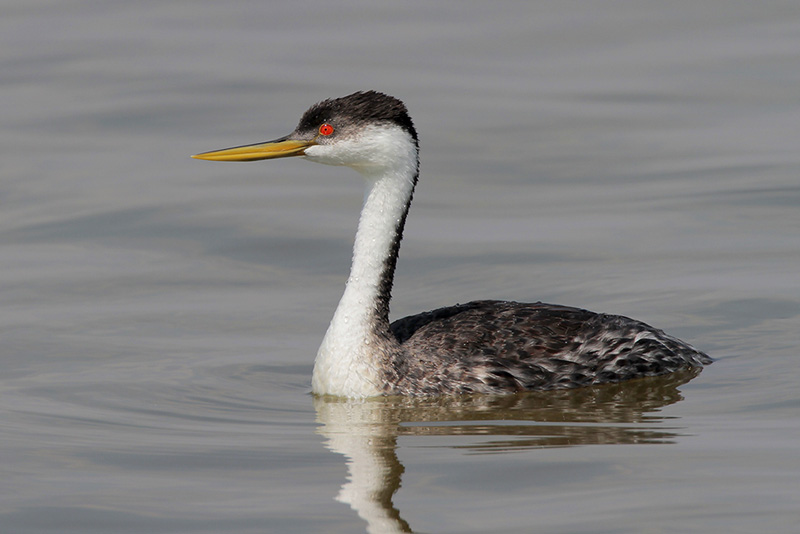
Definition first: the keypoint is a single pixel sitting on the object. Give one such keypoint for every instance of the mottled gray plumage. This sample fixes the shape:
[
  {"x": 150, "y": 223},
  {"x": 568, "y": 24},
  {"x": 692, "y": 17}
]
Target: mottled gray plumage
[{"x": 495, "y": 347}]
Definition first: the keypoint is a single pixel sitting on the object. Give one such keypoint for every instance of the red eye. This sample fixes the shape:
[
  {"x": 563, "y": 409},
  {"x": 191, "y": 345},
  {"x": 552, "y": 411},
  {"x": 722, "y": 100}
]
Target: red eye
[{"x": 325, "y": 129}]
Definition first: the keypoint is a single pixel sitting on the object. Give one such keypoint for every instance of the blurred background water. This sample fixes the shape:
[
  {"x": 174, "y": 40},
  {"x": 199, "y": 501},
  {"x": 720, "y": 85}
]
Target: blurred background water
[{"x": 160, "y": 315}]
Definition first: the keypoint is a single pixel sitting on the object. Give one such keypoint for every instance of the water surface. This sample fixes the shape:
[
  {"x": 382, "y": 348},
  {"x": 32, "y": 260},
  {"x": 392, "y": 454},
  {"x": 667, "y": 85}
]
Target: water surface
[{"x": 160, "y": 315}]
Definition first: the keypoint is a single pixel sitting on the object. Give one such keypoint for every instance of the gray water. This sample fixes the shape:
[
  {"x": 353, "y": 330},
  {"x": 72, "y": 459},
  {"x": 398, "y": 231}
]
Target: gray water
[{"x": 160, "y": 315}]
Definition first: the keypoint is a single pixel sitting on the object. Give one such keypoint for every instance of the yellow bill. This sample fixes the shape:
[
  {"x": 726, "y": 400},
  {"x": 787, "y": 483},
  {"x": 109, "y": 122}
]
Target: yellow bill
[{"x": 280, "y": 148}]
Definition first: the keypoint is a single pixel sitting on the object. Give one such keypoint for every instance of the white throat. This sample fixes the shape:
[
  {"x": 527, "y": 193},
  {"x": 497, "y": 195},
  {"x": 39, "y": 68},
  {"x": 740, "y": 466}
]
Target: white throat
[{"x": 349, "y": 360}]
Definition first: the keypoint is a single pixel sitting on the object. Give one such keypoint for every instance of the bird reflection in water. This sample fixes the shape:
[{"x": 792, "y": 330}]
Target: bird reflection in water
[{"x": 366, "y": 431}]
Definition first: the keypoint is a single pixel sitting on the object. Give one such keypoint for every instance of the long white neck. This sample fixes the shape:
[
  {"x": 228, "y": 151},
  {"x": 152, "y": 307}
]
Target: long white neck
[{"x": 357, "y": 341}]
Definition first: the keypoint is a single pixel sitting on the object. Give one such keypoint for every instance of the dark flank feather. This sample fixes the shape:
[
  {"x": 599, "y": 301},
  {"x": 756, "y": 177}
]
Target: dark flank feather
[{"x": 495, "y": 346}]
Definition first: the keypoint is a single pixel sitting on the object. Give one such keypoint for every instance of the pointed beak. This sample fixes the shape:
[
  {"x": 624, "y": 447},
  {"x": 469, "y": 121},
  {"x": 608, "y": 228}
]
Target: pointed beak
[{"x": 279, "y": 148}]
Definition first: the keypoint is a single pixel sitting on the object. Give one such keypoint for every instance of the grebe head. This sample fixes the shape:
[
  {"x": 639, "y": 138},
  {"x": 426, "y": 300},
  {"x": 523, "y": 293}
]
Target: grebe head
[{"x": 368, "y": 131}]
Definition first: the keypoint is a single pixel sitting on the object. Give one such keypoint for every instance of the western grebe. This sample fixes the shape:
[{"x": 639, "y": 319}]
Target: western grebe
[{"x": 484, "y": 346}]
